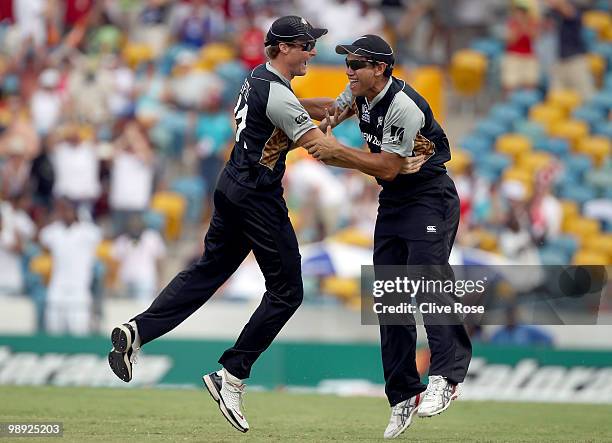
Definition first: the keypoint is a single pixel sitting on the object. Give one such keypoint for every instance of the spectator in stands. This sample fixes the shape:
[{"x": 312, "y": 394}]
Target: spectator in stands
[
  {"x": 520, "y": 68},
  {"x": 515, "y": 240},
  {"x": 46, "y": 103},
  {"x": 151, "y": 27},
  {"x": 30, "y": 21},
  {"x": 473, "y": 192},
  {"x": 214, "y": 130},
  {"x": 516, "y": 334},
  {"x": 132, "y": 171},
  {"x": 544, "y": 208},
  {"x": 201, "y": 22},
  {"x": 572, "y": 70},
  {"x": 139, "y": 252},
  {"x": 75, "y": 12},
  {"x": 16, "y": 228},
  {"x": 72, "y": 244},
  {"x": 89, "y": 91},
  {"x": 250, "y": 42},
  {"x": 20, "y": 130},
  {"x": 16, "y": 169},
  {"x": 122, "y": 87},
  {"x": 311, "y": 183},
  {"x": 76, "y": 165},
  {"x": 362, "y": 18},
  {"x": 41, "y": 181}
]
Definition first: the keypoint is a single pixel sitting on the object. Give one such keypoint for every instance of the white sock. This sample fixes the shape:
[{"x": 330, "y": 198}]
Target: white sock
[
  {"x": 232, "y": 379},
  {"x": 136, "y": 344}
]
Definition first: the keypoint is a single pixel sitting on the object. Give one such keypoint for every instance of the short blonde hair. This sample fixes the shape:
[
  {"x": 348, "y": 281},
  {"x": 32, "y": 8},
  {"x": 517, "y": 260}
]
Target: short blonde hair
[{"x": 272, "y": 51}]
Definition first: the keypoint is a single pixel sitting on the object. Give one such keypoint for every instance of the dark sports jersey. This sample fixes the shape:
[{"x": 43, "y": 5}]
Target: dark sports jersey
[
  {"x": 399, "y": 120},
  {"x": 269, "y": 119}
]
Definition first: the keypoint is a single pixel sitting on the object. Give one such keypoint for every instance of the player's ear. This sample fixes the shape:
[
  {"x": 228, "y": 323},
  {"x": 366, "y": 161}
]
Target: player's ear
[{"x": 284, "y": 48}]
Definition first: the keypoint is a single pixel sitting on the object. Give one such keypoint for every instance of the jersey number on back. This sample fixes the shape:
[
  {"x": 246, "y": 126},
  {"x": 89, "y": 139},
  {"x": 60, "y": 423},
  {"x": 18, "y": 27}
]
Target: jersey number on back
[{"x": 241, "y": 115}]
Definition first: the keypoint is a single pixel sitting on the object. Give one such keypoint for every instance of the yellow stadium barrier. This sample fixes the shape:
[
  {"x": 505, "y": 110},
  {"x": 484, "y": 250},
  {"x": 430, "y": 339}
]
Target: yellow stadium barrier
[
  {"x": 598, "y": 148},
  {"x": 330, "y": 81},
  {"x": 353, "y": 236},
  {"x": 173, "y": 206},
  {"x": 571, "y": 130},
  {"x": 321, "y": 81},
  {"x": 429, "y": 82},
  {"x": 513, "y": 145},
  {"x": 343, "y": 288}
]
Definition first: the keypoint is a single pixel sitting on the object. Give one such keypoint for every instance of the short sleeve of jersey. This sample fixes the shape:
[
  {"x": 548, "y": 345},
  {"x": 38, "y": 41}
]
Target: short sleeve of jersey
[
  {"x": 286, "y": 113},
  {"x": 403, "y": 121},
  {"x": 345, "y": 98}
]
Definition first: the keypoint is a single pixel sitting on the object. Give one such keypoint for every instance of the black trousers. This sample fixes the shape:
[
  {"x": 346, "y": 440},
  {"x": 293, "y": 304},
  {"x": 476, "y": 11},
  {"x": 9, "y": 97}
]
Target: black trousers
[
  {"x": 243, "y": 220},
  {"x": 420, "y": 231}
]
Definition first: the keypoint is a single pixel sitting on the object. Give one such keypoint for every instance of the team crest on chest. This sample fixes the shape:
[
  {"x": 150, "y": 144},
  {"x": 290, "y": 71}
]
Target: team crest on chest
[
  {"x": 380, "y": 122},
  {"x": 365, "y": 113}
]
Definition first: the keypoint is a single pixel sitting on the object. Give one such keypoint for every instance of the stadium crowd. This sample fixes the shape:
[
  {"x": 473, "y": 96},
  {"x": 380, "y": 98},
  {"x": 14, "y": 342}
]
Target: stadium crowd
[{"x": 116, "y": 117}]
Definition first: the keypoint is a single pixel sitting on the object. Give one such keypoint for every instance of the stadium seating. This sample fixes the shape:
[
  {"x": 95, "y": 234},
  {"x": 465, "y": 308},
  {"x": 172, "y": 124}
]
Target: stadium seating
[
  {"x": 468, "y": 72},
  {"x": 193, "y": 189},
  {"x": 546, "y": 114},
  {"x": 513, "y": 145},
  {"x": 568, "y": 100},
  {"x": 581, "y": 227},
  {"x": 598, "y": 148},
  {"x": 172, "y": 206},
  {"x": 571, "y": 130}
]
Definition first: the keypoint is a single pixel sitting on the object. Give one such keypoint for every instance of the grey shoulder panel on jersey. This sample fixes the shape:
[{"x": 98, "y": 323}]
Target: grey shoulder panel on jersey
[
  {"x": 286, "y": 113},
  {"x": 403, "y": 122},
  {"x": 345, "y": 98}
]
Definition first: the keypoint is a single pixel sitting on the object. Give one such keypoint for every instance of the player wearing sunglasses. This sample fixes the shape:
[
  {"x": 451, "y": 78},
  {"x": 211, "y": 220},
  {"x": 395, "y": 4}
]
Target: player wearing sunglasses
[{"x": 417, "y": 219}]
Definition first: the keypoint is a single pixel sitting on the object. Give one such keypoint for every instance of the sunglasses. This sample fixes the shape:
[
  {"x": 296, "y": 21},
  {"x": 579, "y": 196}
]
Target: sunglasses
[
  {"x": 305, "y": 46},
  {"x": 355, "y": 65}
]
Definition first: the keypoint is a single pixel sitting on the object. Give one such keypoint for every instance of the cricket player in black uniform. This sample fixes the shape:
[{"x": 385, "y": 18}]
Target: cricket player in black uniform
[
  {"x": 250, "y": 215},
  {"x": 417, "y": 219}
]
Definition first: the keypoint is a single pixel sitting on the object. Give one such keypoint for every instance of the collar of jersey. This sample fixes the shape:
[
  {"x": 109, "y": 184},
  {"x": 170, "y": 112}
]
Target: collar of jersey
[
  {"x": 275, "y": 71},
  {"x": 380, "y": 95}
]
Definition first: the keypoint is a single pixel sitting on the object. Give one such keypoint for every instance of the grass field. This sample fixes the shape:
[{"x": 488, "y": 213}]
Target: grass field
[{"x": 190, "y": 415}]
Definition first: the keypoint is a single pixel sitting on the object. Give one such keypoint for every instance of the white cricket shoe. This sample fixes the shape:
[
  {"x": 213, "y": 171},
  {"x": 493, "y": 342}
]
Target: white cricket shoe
[
  {"x": 229, "y": 397},
  {"x": 401, "y": 416},
  {"x": 438, "y": 396}
]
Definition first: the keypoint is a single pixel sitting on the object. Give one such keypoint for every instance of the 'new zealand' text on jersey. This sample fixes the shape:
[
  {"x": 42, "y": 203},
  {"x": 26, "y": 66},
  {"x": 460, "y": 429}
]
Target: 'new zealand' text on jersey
[
  {"x": 399, "y": 120},
  {"x": 269, "y": 119}
]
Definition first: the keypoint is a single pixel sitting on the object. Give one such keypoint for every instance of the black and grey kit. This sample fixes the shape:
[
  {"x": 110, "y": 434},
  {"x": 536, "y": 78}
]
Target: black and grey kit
[
  {"x": 250, "y": 215},
  {"x": 417, "y": 222}
]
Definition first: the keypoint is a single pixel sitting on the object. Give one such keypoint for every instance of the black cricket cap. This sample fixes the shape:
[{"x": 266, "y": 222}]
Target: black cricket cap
[
  {"x": 292, "y": 28},
  {"x": 371, "y": 46}
]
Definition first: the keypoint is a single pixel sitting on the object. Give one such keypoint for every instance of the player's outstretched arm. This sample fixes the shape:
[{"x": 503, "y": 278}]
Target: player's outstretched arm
[
  {"x": 384, "y": 165},
  {"x": 316, "y": 107}
]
